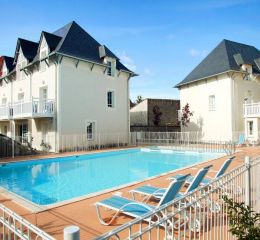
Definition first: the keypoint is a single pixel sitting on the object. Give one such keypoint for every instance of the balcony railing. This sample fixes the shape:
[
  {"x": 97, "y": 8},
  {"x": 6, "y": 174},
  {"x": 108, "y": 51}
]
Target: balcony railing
[
  {"x": 252, "y": 109},
  {"x": 34, "y": 108},
  {"x": 4, "y": 112}
]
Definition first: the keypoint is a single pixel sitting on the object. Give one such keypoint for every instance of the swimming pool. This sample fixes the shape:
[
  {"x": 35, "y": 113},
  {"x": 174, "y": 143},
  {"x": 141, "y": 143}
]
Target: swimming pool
[{"x": 55, "y": 180}]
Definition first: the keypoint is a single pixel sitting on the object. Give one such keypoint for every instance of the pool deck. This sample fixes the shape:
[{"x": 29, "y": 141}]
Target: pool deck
[{"x": 83, "y": 213}]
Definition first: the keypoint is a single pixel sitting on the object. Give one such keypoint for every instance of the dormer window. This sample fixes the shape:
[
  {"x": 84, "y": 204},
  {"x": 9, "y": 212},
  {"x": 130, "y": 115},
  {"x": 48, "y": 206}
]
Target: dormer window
[
  {"x": 43, "y": 55},
  {"x": 20, "y": 74},
  {"x": 111, "y": 67}
]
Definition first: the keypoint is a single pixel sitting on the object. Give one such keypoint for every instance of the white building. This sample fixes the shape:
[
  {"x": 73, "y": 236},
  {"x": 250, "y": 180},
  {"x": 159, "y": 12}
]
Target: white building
[
  {"x": 66, "y": 84},
  {"x": 223, "y": 92}
]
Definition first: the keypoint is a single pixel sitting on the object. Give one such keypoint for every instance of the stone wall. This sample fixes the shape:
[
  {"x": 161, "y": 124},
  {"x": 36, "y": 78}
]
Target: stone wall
[{"x": 168, "y": 108}]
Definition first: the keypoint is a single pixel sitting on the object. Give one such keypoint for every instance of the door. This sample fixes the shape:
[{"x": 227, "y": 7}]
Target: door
[
  {"x": 23, "y": 133},
  {"x": 43, "y": 99}
]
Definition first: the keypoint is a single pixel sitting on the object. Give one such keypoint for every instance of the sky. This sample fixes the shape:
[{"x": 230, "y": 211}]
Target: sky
[{"x": 161, "y": 40}]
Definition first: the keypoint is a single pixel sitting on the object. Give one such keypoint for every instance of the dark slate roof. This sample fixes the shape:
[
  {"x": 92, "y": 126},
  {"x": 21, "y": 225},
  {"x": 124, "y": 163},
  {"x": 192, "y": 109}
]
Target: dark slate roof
[
  {"x": 52, "y": 40},
  {"x": 78, "y": 43},
  {"x": 225, "y": 57},
  {"x": 29, "y": 48},
  {"x": 69, "y": 40},
  {"x": 9, "y": 61}
]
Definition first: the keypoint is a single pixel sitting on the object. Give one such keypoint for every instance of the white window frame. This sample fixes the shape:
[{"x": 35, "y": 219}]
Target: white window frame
[
  {"x": 20, "y": 74},
  {"x": 93, "y": 134},
  {"x": 111, "y": 71},
  {"x": 113, "y": 105},
  {"x": 212, "y": 103}
]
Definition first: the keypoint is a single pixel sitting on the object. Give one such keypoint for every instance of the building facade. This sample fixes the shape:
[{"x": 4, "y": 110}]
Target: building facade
[
  {"x": 65, "y": 85},
  {"x": 223, "y": 92},
  {"x": 155, "y": 115}
]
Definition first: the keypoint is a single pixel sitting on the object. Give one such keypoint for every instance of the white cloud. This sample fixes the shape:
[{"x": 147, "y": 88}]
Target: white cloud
[
  {"x": 127, "y": 61},
  {"x": 198, "y": 53}
]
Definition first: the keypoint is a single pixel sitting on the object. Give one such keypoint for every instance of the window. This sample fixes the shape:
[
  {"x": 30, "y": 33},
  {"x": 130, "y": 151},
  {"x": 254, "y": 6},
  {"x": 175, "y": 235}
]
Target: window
[
  {"x": 4, "y": 101},
  {"x": 43, "y": 54},
  {"x": 110, "y": 68},
  {"x": 20, "y": 75},
  {"x": 212, "y": 104},
  {"x": 20, "y": 97},
  {"x": 250, "y": 128},
  {"x": 90, "y": 129},
  {"x": 110, "y": 99}
]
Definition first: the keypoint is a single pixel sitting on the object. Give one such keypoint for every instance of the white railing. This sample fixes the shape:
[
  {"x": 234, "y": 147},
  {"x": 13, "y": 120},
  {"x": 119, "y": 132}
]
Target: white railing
[
  {"x": 4, "y": 112},
  {"x": 251, "y": 109},
  {"x": 80, "y": 142},
  {"x": 32, "y": 108},
  {"x": 182, "y": 141},
  {"x": 14, "y": 226},
  {"x": 202, "y": 214}
]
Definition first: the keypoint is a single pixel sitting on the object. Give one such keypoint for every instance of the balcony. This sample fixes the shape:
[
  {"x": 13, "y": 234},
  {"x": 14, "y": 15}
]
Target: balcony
[
  {"x": 34, "y": 108},
  {"x": 252, "y": 110},
  {"x": 4, "y": 112}
]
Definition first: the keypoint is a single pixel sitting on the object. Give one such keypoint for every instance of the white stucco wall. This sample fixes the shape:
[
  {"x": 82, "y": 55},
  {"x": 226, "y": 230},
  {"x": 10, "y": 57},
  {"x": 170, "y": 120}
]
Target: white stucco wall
[
  {"x": 214, "y": 125},
  {"x": 83, "y": 97},
  {"x": 80, "y": 95}
]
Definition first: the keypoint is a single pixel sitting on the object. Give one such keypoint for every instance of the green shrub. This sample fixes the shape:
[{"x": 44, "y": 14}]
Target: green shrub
[{"x": 244, "y": 223}]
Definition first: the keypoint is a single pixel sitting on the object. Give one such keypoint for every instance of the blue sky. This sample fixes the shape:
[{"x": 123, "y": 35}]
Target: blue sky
[{"x": 160, "y": 40}]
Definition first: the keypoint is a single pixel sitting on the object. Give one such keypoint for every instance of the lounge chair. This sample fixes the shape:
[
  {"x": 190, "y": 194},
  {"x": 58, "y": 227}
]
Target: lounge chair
[
  {"x": 207, "y": 180},
  {"x": 137, "y": 209},
  {"x": 150, "y": 191}
]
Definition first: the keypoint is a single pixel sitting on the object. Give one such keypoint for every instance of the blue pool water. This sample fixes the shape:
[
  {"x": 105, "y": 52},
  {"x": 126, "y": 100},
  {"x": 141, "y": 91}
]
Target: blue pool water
[{"x": 54, "y": 180}]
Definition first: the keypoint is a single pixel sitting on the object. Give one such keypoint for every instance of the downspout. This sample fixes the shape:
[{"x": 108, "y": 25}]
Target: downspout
[
  {"x": 233, "y": 121},
  {"x": 56, "y": 103},
  {"x": 128, "y": 110}
]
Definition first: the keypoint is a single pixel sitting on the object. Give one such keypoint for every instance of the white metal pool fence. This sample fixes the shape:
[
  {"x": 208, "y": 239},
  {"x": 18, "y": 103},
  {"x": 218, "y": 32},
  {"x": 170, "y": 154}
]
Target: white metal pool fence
[
  {"x": 201, "y": 214},
  {"x": 182, "y": 141},
  {"x": 14, "y": 227}
]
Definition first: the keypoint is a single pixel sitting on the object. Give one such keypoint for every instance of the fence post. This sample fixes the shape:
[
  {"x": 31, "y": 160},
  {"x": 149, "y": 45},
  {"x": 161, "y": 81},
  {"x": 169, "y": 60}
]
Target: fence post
[
  {"x": 71, "y": 233},
  {"x": 247, "y": 181}
]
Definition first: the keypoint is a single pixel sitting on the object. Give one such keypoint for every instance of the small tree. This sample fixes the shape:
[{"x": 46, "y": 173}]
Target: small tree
[
  {"x": 185, "y": 115},
  {"x": 244, "y": 222},
  {"x": 157, "y": 115},
  {"x": 139, "y": 99}
]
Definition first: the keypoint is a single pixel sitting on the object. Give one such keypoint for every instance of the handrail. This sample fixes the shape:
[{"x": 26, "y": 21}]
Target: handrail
[{"x": 20, "y": 227}]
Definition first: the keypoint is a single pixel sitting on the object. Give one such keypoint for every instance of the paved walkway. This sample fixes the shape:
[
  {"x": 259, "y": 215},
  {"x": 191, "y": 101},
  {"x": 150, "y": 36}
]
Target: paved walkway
[{"x": 83, "y": 212}]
